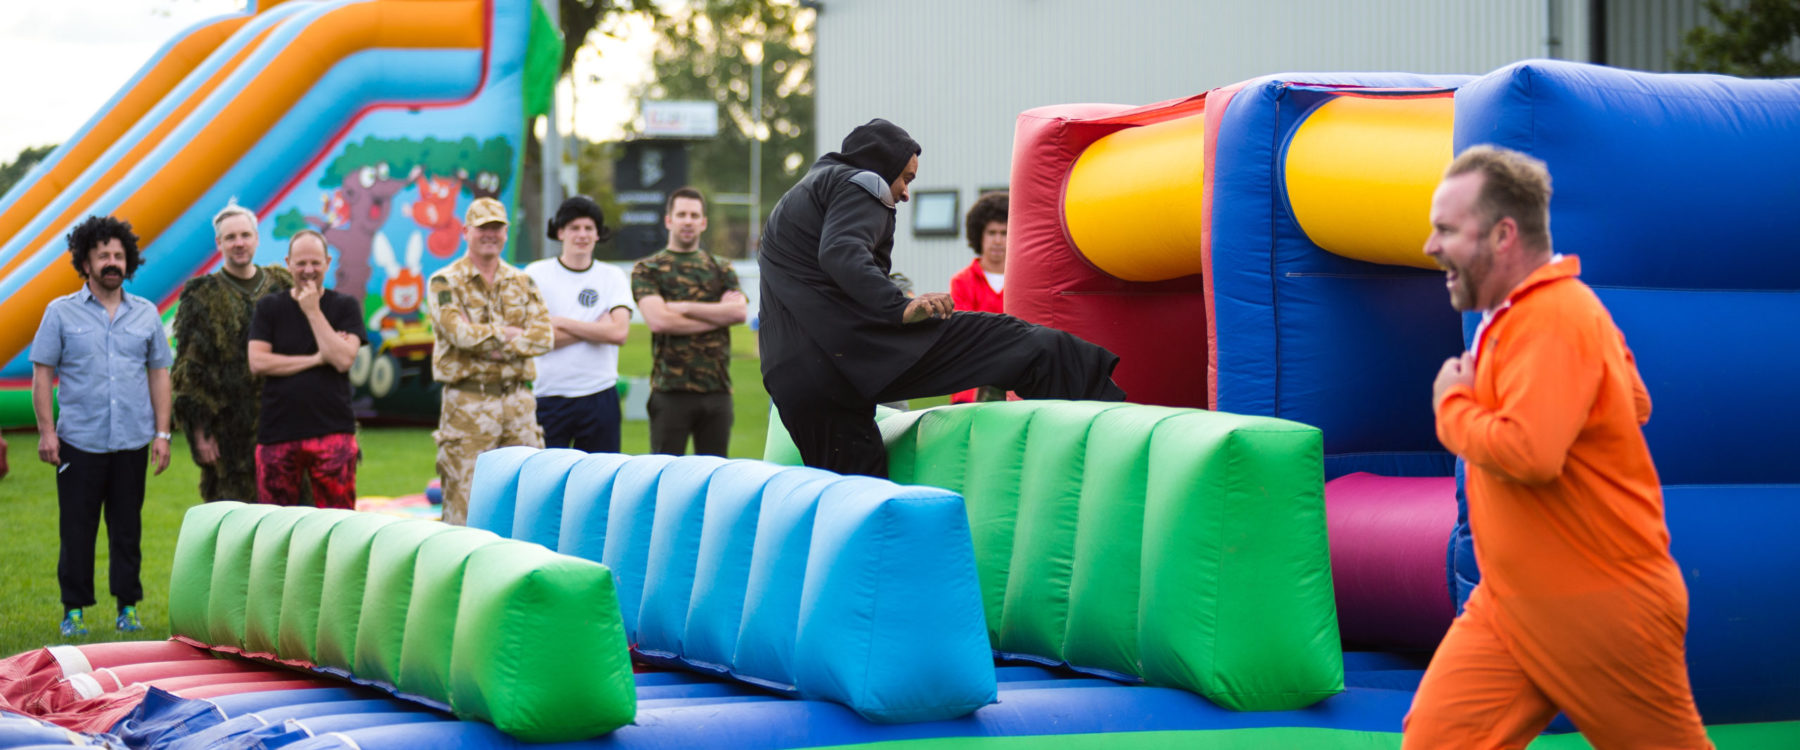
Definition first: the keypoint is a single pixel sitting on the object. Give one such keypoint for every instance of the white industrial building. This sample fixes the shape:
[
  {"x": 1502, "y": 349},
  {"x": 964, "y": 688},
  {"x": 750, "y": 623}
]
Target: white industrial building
[{"x": 956, "y": 73}]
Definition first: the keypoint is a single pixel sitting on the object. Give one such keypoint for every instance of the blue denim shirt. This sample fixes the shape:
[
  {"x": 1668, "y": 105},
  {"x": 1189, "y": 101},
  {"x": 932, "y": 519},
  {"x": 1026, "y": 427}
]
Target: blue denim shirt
[{"x": 104, "y": 366}]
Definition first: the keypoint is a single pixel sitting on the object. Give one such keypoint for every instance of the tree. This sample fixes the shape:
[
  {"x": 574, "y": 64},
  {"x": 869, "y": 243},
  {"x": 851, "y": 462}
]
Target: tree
[
  {"x": 1757, "y": 40},
  {"x": 701, "y": 56},
  {"x": 15, "y": 170}
]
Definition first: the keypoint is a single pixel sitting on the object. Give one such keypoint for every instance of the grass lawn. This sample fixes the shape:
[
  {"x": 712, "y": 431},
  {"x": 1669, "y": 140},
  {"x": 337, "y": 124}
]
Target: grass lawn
[{"x": 396, "y": 461}]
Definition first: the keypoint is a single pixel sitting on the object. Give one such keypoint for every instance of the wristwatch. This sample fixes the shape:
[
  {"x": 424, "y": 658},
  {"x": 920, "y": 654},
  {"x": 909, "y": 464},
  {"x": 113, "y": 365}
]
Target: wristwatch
[{"x": 166, "y": 435}]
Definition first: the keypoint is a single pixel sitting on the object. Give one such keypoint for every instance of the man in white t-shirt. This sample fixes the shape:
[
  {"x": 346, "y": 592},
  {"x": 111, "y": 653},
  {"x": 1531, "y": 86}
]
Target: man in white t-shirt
[{"x": 590, "y": 309}]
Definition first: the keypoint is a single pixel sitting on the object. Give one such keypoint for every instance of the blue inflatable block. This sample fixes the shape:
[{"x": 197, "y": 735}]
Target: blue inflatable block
[
  {"x": 674, "y": 546},
  {"x": 1735, "y": 546},
  {"x": 1285, "y": 347},
  {"x": 542, "y": 480},
  {"x": 18, "y": 731},
  {"x": 243, "y": 724},
  {"x": 764, "y": 654},
  {"x": 727, "y": 540},
  {"x": 493, "y": 493},
  {"x": 318, "y": 725},
  {"x": 891, "y": 620},
  {"x": 587, "y": 498},
  {"x": 243, "y": 703},
  {"x": 457, "y": 735},
  {"x": 630, "y": 519}
]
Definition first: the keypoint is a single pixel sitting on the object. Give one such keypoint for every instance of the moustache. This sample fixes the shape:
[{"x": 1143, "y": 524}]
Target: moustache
[{"x": 112, "y": 271}]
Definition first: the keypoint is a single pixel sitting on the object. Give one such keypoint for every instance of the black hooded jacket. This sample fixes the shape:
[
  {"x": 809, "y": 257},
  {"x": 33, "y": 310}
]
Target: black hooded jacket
[{"x": 826, "y": 296}]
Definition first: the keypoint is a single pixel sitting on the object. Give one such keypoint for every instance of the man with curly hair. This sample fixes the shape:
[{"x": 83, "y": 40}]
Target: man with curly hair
[
  {"x": 216, "y": 396},
  {"x": 106, "y": 347},
  {"x": 981, "y": 286}
]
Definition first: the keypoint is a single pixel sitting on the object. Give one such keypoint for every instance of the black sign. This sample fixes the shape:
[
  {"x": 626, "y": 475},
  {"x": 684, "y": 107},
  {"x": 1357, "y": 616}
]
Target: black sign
[{"x": 642, "y": 181}]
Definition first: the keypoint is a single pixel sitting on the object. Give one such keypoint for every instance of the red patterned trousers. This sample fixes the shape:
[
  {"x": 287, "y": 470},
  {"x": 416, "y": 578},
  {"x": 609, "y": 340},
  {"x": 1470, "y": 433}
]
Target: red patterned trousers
[{"x": 328, "y": 460}]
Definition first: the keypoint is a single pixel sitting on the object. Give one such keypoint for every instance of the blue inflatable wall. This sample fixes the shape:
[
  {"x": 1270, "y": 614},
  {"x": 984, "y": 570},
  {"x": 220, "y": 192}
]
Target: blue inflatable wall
[{"x": 1677, "y": 193}]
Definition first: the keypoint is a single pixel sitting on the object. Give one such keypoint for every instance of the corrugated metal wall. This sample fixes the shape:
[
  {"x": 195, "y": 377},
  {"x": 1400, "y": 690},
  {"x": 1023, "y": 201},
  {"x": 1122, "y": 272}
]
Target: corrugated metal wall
[
  {"x": 956, "y": 73},
  {"x": 1644, "y": 34}
]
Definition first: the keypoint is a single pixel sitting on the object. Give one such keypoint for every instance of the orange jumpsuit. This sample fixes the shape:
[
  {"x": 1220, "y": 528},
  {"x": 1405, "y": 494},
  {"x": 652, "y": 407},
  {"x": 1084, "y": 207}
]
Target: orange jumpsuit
[{"x": 1580, "y": 606}]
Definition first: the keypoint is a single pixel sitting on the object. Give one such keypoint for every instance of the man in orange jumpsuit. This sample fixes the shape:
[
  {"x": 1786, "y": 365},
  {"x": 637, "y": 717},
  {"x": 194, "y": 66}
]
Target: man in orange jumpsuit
[{"x": 1580, "y": 607}]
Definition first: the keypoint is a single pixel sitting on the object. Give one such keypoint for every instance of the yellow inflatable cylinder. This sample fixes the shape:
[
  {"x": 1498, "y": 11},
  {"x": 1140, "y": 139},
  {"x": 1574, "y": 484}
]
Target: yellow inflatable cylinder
[
  {"x": 1134, "y": 198},
  {"x": 1360, "y": 172}
]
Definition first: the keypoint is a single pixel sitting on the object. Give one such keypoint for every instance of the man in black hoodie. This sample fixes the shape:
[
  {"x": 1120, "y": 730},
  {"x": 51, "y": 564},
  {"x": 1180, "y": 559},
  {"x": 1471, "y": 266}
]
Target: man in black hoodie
[{"x": 838, "y": 336}]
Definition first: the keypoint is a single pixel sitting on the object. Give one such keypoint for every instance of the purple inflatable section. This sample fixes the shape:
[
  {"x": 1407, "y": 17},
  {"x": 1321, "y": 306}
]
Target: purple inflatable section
[{"x": 1388, "y": 536}]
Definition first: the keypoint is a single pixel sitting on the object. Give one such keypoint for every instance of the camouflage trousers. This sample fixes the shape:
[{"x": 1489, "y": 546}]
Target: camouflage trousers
[
  {"x": 471, "y": 423},
  {"x": 233, "y": 475}
]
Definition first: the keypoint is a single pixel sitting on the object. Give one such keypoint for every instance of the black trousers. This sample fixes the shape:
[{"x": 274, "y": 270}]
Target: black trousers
[
  {"x": 833, "y": 424},
  {"x": 87, "y": 485},
  {"x": 586, "y": 423},
  {"x": 675, "y": 415}
]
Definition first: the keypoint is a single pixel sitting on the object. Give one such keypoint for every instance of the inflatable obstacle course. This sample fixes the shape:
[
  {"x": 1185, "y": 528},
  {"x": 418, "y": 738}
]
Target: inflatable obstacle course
[{"x": 502, "y": 631}]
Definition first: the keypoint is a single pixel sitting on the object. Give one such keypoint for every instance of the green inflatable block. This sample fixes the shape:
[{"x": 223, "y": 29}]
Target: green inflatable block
[
  {"x": 431, "y": 613},
  {"x": 268, "y": 578},
  {"x": 226, "y": 611},
  {"x": 341, "y": 598},
  {"x": 298, "y": 632},
  {"x": 995, "y": 456},
  {"x": 381, "y": 630},
  {"x": 1034, "y": 617},
  {"x": 931, "y": 443},
  {"x": 540, "y": 650},
  {"x": 1109, "y": 541},
  {"x": 190, "y": 572},
  {"x": 1237, "y": 599}
]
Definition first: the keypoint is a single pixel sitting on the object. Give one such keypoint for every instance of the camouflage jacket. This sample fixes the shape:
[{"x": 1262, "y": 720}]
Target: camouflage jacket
[
  {"x": 700, "y": 363},
  {"x": 213, "y": 388},
  {"x": 467, "y": 317}
]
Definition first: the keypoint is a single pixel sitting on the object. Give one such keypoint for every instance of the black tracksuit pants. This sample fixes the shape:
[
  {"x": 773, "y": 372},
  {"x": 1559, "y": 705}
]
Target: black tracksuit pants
[
  {"x": 834, "y": 427},
  {"x": 87, "y": 486}
]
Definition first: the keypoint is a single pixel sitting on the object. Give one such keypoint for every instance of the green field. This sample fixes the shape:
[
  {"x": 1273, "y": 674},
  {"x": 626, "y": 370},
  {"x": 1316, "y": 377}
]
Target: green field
[{"x": 396, "y": 461}]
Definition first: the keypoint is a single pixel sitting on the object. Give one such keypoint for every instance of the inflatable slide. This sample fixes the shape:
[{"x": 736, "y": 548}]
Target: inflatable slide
[{"x": 372, "y": 121}]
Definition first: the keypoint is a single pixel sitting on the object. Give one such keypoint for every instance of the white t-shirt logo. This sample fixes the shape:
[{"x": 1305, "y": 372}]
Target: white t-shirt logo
[{"x": 588, "y": 297}]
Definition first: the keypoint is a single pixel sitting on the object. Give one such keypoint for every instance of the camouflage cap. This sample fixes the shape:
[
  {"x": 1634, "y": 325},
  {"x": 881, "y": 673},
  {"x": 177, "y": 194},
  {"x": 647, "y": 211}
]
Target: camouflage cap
[{"x": 485, "y": 211}]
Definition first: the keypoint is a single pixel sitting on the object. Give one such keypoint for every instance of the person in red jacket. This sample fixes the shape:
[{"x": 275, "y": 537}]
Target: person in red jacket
[
  {"x": 981, "y": 286},
  {"x": 1580, "y": 607}
]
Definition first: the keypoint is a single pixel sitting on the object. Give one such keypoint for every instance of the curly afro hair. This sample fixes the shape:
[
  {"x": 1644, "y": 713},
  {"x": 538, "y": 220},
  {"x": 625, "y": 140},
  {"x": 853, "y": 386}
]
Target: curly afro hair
[
  {"x": 93, "y": 232},
  {"x": 578, "y": 207},
  {"x": 990, "y": 207}
]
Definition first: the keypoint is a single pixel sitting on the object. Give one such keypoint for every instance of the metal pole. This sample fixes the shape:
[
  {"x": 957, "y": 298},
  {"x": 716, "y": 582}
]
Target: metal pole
[
  {"x": 756, "y": 119},
  {"x": 549, "y": 154}
]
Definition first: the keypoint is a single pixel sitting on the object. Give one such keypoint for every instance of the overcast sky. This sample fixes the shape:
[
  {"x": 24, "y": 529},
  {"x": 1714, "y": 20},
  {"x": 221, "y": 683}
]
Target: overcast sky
[{"x": 64, "y": 59}]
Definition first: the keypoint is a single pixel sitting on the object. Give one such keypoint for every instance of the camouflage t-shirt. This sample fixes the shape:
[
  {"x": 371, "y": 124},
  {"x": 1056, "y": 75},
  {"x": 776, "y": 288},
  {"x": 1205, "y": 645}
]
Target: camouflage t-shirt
[{"x": 700, "y": 363}]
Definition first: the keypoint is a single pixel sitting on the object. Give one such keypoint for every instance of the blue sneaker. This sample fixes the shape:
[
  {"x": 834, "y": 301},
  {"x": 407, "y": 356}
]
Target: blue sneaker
[
  {"x": 128, "y": 620},
  {"x": 72, "y": 624}
]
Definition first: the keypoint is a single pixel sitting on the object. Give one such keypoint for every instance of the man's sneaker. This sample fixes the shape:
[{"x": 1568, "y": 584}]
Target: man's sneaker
[
  {"x": 73, "y": 625},
  {"x": 128, "y": 620}
]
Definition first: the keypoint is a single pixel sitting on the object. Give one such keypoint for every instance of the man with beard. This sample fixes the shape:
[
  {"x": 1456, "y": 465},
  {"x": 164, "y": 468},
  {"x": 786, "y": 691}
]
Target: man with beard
[
  {"x": 1580, "y": 607},
  {"x": 303, "y": 341},
  {"x": 215, "y": 393},
  {"x": 838, "y": 336},
  {"x": 691, "y": 299},
  {"x": 106, "y": 348},
  {"x": 489, "y": 323},
  {"x": 590, "y": 310}
]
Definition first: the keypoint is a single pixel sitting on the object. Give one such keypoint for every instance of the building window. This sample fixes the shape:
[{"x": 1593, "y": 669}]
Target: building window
[{"x": 935, "y": 213}]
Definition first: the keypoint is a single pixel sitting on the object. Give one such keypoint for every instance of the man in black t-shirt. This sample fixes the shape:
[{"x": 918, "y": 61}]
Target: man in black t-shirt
[{"x": 302, "y": 342}]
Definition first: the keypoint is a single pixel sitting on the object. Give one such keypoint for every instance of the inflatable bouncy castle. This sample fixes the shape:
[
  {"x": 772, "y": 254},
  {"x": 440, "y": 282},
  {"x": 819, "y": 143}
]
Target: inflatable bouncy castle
[
  {"x": 1257, "y": 249},
  {"x": 1262, "y": 552},
  {"x": 374, "y": 122}
]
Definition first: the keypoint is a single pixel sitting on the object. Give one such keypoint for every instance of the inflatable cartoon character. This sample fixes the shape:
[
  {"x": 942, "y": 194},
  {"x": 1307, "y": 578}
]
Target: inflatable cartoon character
[{"x": 436, "y": 211}]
